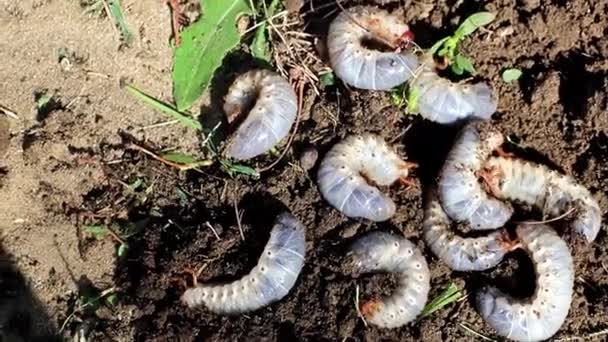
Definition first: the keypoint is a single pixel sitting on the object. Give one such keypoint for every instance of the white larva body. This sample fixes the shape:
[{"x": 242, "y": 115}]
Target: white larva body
[
  {"x": 460, "y": 192},
  {"x": 269, "y": 281},
  {"x": 360, "y": 66},
  {"x": 459, "y": 253},
  {"x": 380, "y": 251},
  {"x": 551, "y": 192},
  {"x": 443, "y": 101},
  {"x": 344, "y": 173},
  {"x": 539, "y": 317},
  {"x": 273, "y": 104}
]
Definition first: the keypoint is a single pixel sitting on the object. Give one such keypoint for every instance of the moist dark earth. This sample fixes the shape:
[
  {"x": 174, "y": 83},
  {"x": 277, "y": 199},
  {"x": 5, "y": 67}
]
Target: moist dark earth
[{"x": 554, "y": 114}]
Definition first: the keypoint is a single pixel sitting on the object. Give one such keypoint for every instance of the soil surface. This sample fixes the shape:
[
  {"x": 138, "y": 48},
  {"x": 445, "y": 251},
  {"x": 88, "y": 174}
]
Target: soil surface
[{"x": 72, "y": 165}]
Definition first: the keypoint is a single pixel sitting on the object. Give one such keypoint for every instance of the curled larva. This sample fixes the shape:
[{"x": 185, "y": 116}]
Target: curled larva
[
  {"x": 360, "y": 66},
  {"x": 459, "y": 253},
  {"x": 553, "y": 193},
  {"x": 264, "y": 106},
  {"x": 379, "y": 251},
  {"x": 539, "y": 317},
  {"x": 346, "y": 169},
  {"x": 460, "y": 192},
  {"x": 443, "y": 101},
  {"x": 269, "y": 281}
]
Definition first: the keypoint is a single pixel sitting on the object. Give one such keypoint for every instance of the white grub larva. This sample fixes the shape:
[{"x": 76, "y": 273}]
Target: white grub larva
[
  {"x": 267, "y": 106},
  {"x": 460, "y": 191},
  {"x": 539, "y": 317},
  {"x": 459, "y": 253},
  {"x": 443, "y": 101},
  {"x": 269, "y": 281},
  {"x": 363, "y": 67},
  {"x": 380, "y": 251},
  {"x": 346, "y": 169},
  {"x": 551, "y": 192}
]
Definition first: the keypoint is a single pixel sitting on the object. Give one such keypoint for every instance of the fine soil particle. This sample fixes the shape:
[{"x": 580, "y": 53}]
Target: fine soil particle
[{"x": 176, "y": 222}]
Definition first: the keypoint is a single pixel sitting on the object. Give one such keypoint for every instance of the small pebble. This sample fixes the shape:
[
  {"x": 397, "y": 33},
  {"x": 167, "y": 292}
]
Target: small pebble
[{"x": 309, "y": 157}]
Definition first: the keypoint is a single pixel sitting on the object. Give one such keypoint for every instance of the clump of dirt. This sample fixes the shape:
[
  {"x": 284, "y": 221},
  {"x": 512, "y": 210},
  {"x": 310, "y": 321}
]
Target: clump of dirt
[{"x": 76, "y": 170}]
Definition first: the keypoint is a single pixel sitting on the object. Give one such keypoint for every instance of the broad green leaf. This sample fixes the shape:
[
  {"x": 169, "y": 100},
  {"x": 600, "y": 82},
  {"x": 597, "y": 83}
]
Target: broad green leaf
[
  {"x": 260, "y": 46},
  {"x": 448, "y": 296},
  {"x": 165, "y": 108},
  {"x": 98, "y": 231},
  {"x": 437, "y": 45},
  {"x": 204, "y": 45},
  {"x": 511, "y": 75},
  {"x": 473, "y": 22},
  {"x": 465, "y": 64}
]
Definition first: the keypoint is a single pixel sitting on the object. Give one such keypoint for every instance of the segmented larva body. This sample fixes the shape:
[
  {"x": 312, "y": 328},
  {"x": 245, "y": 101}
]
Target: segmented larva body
[
  {"x": 551, "y": 192},
  {"x": 444, "y": 101},
  {"x": 460, "y": 192},
  {"x": 539, "y": 317},
  {"x": 269, "y": 281},
  {"x": 344, "y": 173},
  {"x": 459, "y": 253},
  {"x": 379, "y": 251},
  {"x": 273, "y": 104},
  {"x": 360, "y": 66}
]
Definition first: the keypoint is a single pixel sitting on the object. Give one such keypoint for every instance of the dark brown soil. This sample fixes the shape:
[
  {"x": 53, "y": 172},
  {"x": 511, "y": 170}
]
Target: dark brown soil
[{"x": 556, "y": 112}]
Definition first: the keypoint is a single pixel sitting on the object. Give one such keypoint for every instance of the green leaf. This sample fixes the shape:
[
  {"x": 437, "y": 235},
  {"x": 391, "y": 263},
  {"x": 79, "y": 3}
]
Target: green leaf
[
  {"x": 511, "y": 75},
  {"x": 456, "y": 69},
  {"x": 260, "y": 46},
  {"x": 204, "y": 45},
  {"x": 437, "y": 45},
  {"x": 122, "y": 250},
  {"x": 98, "y": 231},
  {"x": 119, "y": 20},
  {"x": 165, "y": 108},
  {"x": 412, "y": 100},
  {"x": 186, "y": 160},
  {"x": 465, "y": 64},
  {"x": 327, "y": 80},
  {"x": 233, "y": 169},
  {"x": 448, "y": 296},
  {"x": 136, "y": 184},
  {"x": 473, "y": 22},
  {"x": 112, "y": 299}
]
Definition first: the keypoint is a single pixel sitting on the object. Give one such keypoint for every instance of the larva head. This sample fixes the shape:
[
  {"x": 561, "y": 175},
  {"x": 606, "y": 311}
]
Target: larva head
[{"x": 370, "y": 308}]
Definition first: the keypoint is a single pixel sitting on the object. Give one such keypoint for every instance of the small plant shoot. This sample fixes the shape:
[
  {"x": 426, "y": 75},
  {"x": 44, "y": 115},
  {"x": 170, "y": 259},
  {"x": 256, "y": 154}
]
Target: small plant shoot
[
  {"x": 448, "y": 47},
  {"x": 511, "y": 75}
]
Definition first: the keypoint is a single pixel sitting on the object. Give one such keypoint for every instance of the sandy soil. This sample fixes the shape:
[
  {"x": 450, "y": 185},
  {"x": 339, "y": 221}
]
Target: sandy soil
[{"x": 68, "y": 167}]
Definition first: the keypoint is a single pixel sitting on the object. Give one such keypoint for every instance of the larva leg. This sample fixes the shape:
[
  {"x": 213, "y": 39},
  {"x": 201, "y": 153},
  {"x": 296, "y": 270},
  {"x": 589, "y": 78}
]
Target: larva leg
[
  {"x": 269, "y": 281},
  {"x": 461, "y": 254},
  {"x": 384, "y": 252},
  {"x": 349, "y": 172},
  {"x": 460, "y": 192},
  {"x": 539, "y": 317}
]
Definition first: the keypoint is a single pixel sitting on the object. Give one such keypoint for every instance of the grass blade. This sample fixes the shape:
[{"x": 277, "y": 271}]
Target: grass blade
[
  {"x": 448, "y": 296},
  {"x": 165, "y": 108},
  {"x": 115, "y": 12}
]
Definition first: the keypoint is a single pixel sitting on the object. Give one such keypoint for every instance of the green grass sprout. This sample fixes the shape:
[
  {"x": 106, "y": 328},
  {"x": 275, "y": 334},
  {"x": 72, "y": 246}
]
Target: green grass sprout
[
  {"x": 448, "y": 47},
  {"x": 118, "y": 18},
  {"x": 162, "y": 107},
  {"x": 260, "y": 45},
  {"x": 450, "y": 295}
]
